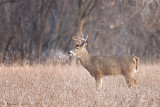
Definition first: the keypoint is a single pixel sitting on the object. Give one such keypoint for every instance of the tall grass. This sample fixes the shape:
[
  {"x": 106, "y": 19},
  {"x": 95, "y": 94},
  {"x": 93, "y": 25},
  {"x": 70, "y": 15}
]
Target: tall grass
[{"x": 64, "y": 85}]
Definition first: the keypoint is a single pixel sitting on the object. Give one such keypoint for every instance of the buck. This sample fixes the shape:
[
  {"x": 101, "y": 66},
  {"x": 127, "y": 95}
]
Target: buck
[{"x": 99, "y": 66}]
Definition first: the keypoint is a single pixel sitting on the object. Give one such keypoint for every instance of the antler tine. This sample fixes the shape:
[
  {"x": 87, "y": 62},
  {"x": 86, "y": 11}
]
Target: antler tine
[
  {"x": 83, "y": 39},
  {"x": 76, "y": 39},
  {"x": 86, "y": 37},
  {"x": 80, "y": 39},
  {"x": 82, "y": 35}
]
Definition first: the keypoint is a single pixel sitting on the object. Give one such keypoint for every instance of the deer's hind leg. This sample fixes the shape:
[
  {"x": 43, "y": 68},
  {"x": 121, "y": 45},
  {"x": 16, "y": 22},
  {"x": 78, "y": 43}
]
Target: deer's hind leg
[{"x": 130, "y": 80}]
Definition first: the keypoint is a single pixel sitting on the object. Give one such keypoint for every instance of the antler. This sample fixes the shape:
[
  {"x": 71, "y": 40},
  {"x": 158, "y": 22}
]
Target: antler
[
  {"x": 76, "y": 39},
  {"x": 79, "y": 39}
]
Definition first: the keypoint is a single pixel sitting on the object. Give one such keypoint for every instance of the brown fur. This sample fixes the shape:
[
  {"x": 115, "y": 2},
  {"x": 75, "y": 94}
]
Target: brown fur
[{"x": 99, "y": 66}]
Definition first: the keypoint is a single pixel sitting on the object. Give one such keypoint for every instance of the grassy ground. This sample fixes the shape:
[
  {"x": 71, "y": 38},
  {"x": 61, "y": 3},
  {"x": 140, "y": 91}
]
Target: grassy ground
[{"x": 64, "y": 85}]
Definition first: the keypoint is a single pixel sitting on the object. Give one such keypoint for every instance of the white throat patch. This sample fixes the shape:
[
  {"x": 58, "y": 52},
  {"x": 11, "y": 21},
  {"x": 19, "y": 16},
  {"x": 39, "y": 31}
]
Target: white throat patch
[{"x": 135, "y": 70}]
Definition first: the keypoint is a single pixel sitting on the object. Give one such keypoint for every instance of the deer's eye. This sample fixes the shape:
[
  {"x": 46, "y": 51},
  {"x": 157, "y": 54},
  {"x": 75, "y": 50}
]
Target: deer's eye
[{"x": 76, "y": 48}]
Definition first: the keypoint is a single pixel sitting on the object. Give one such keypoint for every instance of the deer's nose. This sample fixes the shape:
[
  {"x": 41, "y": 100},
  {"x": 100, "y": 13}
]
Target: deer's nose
[{"x": 70, "y": 53}]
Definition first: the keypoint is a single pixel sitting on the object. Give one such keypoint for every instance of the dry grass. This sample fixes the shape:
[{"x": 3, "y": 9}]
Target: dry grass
[{"x": 64, "y": 85}]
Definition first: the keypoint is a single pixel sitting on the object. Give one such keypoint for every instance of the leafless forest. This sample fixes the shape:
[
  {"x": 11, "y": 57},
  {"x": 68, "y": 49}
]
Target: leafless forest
[
  {"x": 36, "y": 36},
  {"x": 40, "y": 29}
]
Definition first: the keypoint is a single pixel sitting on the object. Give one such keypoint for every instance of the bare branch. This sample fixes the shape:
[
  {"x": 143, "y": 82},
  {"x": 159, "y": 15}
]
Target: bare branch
[
  {"x": 91, "y": 5},
  {"x": 74, "y": 9}
]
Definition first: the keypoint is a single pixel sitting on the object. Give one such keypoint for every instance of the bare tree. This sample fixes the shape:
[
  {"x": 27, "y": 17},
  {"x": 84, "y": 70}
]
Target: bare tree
[
  {"x": 43, "y": 18},
  {"x": 82, "y": 13},
  {"x": 115, "y": 27}
]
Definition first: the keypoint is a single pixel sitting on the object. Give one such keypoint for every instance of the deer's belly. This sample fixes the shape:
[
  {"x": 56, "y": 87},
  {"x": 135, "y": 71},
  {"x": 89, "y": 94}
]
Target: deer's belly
[{"x": 112, "y": 70}]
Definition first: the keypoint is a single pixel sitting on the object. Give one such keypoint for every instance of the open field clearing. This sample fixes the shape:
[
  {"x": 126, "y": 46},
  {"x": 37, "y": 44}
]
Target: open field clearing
[{"x": 65, "y": 86}]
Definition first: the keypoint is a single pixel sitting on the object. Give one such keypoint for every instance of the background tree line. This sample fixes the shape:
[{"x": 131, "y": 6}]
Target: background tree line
[{"x": 37, "y": 29}]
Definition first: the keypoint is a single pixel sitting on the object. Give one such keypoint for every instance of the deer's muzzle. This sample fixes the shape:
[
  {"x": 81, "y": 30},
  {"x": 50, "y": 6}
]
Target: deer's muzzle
[{"x": 71, "y": 53}]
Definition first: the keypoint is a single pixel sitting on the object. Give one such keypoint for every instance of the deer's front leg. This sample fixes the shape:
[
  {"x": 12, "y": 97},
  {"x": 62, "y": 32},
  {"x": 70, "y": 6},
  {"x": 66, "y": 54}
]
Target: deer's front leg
[{"x": 98, "y": 82}]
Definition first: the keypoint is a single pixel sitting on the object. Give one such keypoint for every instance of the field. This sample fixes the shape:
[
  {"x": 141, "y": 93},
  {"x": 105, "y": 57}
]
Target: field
[{"x": 65, "y": 86}]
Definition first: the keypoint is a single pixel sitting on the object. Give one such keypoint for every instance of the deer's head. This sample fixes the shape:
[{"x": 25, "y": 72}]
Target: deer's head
[{"x": 80, "y": 47}]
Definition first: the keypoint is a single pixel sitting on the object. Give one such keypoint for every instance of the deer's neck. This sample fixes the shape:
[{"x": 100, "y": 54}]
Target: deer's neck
[{"x": 85, "y": 58}]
